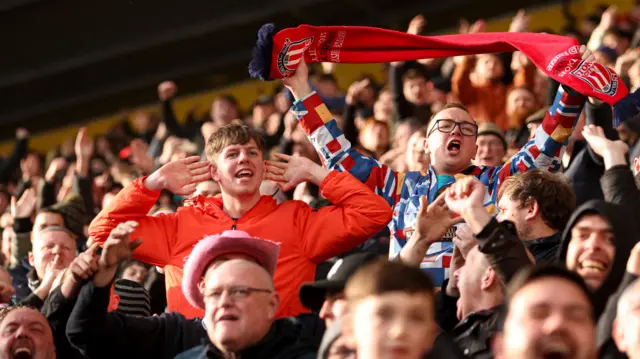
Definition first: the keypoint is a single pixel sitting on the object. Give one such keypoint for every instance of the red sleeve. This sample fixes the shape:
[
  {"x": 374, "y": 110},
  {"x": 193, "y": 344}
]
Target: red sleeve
[
  {"x": 357, "y": 214},
  {"x": 133, "y": 203}
]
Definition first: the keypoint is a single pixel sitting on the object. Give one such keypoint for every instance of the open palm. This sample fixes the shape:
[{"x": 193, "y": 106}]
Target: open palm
[
  {"x": 599, "y": 142},
  {"x": 182, "y": 176},
  {"x": 119, "y": 246},
  {"x": 434, "y": 220},
  {"x": 290, "y": 173}
]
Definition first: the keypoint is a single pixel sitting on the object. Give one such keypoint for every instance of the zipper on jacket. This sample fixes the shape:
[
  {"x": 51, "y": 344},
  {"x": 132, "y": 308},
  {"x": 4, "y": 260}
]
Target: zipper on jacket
[{"x": 235, "y": 222}]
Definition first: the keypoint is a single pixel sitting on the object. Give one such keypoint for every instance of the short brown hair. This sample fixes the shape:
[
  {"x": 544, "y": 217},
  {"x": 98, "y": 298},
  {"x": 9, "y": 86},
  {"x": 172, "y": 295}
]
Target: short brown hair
[
  {"x": 552, "y": 192},
  {"x": 232, "y": 134},
  {"x": 448, "y": 106},
  {"x": 383, "y": 276}
]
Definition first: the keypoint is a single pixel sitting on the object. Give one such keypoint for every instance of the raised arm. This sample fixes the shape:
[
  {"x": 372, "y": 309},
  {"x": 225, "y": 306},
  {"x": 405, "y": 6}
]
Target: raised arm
[
  {"x": 618, "y": 183},
  {"x": 333, "y": 148},
  {"x": 503, "y": 249},
  {"x": 135, "y": 201},
  {"x": 357, "y": 213},
  {"x": 544, "y": 150},
  {"x": 98, "y": 333}
]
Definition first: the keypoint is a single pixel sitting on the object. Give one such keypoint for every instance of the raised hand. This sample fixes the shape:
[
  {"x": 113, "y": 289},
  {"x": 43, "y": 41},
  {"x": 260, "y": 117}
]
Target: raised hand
[
  {"x": 84, "y": 145},
  {"x": 293, "y": 171},
  {"x": 22, "y": 133},
  {"x": 612, "y": 152},
  {"x": 478, "y": 27},
  {"x": 355, "y": 91},
  {"x": 586, "y": 54},
  {"x": 520, "y": 22},
  {"x": 83, "y": 267},
  {"x": 167, "y": 90},
  {"x": 416, "y": 25},
  {"x": 464, "y": 239},
  {"x": 609, "y": 16},
  {"x": 434, "y": 219},
  {"x": 119, "y": 247},
  {"x": 52, "y": 275},
  {"x": 57, "y": 165},
  {"x": 465, "y": 194},
  {"x": 140, "y": 156},
  {"x": 298, "y": 83},
  {"x": 180, "y": 176},
  {"x": 432, "y": 223},
  {"x": 24, "y": 207}
]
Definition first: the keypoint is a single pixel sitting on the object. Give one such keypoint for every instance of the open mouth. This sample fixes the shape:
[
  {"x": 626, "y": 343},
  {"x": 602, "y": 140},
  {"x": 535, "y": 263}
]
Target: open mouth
[
  {"x": 557, "y": 349},
  {"x": 22, "y": 349},
  {"x": 242, "y": 174},
  {"x": 593, "y": 265},
  {"x": 454, "y": 146}
]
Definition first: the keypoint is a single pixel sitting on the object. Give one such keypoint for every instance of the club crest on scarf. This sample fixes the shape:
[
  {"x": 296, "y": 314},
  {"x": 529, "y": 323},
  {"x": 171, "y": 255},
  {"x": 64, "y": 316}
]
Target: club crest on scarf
[
  {"x": 290, "y": 55},
  {"x": 598, "y": 76}
]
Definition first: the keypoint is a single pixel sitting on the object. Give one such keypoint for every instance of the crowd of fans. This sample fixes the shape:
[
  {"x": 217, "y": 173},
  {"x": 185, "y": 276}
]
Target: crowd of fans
[{"x": 470, "y": 207}]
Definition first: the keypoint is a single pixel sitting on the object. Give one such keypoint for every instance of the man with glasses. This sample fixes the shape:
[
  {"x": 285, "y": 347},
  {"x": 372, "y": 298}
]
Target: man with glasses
[
  {"x": 451, "y": 145},
  {"x": 240, "y": 304}
]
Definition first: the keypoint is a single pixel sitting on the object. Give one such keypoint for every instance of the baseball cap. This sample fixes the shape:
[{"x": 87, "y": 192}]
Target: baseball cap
[
  {"x": 312, "y": 295},
  {"x": 264, "y": 252}
]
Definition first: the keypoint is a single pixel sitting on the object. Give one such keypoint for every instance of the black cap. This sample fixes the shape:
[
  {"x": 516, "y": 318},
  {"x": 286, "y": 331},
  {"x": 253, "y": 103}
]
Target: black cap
[{"x": 312, "y": 294}]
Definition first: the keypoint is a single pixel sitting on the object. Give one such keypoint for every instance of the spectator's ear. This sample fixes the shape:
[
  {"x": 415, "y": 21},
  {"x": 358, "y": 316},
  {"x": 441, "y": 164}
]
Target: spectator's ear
[
  {"x": 214, "y": 173},
  {"x": 489, "y": 278},
  {"x": 31, "y": 261},
  {"x": 533, "y": 209},
  {"x": 274, "y": 304},
  {"x": 201, "y": 286}
]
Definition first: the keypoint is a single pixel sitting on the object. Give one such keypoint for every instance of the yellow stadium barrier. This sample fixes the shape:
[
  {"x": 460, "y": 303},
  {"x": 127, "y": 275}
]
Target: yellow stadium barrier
[{"x": 541, "y": 17}]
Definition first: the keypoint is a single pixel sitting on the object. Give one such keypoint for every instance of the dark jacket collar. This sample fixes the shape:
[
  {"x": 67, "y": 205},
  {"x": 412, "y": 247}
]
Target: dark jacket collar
[
  {"x": 282, "y": 341},
  {"x": 545, "y": 249}
]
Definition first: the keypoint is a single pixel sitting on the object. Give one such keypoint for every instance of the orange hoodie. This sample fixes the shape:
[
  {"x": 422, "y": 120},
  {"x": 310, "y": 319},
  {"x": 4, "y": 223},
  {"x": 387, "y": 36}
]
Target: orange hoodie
[{"x": 306, "y": 236}]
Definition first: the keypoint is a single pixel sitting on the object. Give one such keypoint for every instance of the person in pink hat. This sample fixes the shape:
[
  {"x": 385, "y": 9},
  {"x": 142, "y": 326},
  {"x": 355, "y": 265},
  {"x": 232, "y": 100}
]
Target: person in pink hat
[{"x": 168, "y": 334}]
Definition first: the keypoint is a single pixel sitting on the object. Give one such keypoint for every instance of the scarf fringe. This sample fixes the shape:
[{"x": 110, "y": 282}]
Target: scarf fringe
[{"x": 260, "y": 65}]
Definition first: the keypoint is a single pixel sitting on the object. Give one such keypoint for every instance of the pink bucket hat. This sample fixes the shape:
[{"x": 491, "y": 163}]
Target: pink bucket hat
[{"x": 210, "y": 247}]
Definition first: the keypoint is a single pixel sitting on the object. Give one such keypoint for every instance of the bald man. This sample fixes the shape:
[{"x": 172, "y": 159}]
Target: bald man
[{"x": 240, "y": 307}]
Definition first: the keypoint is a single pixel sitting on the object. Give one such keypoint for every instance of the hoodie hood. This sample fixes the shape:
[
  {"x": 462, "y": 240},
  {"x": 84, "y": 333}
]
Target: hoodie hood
[{"x": 623, "y": 235}]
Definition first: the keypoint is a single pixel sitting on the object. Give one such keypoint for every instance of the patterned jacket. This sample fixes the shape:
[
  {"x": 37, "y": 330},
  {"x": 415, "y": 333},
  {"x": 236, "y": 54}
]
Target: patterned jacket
[{"x": 403, "y": 190}]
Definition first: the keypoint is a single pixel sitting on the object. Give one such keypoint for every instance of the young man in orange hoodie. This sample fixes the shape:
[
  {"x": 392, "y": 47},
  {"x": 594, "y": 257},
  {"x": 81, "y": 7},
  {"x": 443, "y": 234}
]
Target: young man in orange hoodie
[{"x": 235, "y": 153}]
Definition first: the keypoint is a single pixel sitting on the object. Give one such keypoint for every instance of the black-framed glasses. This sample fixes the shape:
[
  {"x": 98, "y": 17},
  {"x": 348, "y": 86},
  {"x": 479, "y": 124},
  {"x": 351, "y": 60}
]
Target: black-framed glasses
[
  {"x": 447, "y": 126},
  {"x": 236, "y": 292}
]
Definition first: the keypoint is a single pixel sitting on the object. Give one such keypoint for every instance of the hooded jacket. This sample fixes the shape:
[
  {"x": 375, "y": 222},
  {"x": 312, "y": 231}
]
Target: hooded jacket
[
  {"x": 622, "y": 231},
  {"x": 306, "y": 236}
]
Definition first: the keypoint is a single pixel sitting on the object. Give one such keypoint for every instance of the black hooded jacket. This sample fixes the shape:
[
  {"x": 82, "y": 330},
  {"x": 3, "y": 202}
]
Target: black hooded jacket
[{"x": 622, "y": 230}]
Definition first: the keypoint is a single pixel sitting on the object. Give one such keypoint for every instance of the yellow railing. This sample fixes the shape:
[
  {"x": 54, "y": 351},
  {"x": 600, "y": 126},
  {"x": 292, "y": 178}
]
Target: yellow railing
[{"x": 549, "y": 17}]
